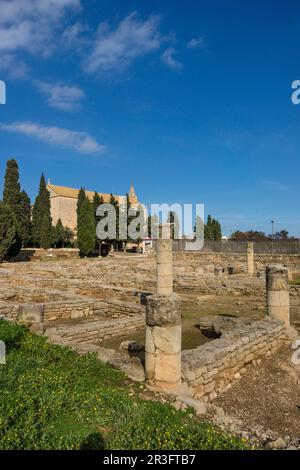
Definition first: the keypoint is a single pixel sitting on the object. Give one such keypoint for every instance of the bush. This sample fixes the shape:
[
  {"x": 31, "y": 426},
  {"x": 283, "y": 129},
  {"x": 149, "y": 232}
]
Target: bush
[{"x": 52, "y": 398}]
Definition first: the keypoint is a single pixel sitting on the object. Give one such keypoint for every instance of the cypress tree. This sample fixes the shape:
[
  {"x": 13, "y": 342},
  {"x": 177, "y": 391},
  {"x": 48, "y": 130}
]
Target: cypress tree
[
  {"x": 10, "y": 242},
  {"x": 24, "y": 217},
  {"x": 12, "y": 189},
  {"x": 81, "y": 198},
  {"x": 86, "y": 229},
  {"x": 17, "y": 200},
  {"x": 115, "y": 203},
  {"x": 59, "y": 233},
  {"x": 46, "y": 232},
  {"x": 41, "y": 217},
  {"x": 97, "y": 201}
]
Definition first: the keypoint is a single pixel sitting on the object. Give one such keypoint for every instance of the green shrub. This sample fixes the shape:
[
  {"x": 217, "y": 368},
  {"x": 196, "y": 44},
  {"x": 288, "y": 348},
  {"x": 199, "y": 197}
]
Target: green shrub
[{"x": 11, "y": 334}]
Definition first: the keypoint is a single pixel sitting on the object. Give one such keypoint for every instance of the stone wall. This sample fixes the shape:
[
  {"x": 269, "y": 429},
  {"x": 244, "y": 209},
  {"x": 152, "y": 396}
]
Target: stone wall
[
  {"x": 211, "y": 369},
  {"x": 94, "y": 331}
]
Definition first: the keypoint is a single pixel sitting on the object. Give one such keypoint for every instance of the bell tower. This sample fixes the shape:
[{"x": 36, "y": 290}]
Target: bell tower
[{"x": 132, "y": 196}]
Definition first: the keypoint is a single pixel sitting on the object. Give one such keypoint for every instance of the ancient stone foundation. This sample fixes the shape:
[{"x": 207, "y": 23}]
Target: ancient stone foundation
[
  {"x": 163, "y": 342},
  {"x": 212, "y": 368}
]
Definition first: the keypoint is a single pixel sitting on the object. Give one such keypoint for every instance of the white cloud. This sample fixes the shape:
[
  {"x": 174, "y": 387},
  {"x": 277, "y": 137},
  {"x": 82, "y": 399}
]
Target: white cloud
[
  {"x": 60, "y": 96},
  {"x": 115, "y": 49},
  {"x": 168, "y": 58},
  {"x": 195, "y": 43},
  {"x": 31, "y": 26},
  {"x": 13, "y": 66},
  {"x": 79, "y": 141}
]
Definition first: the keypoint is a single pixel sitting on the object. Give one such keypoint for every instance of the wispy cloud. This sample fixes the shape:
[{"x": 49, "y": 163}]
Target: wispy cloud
[
  {"x": 61, "y": 96},
  {"x": 168, "y": 58},
  {"x": 13, "y": 66},
  {"x": 115, "y": 49},
  {"x": 79, "y": 141},
  {"x": 32, "y": 26},
  {"x": 276, "y": 185},
  {"x": 195, "y": 43}
]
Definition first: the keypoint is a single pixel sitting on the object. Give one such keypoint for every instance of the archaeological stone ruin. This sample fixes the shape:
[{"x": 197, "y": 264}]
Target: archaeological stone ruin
[{"x": 147, "y": 313}]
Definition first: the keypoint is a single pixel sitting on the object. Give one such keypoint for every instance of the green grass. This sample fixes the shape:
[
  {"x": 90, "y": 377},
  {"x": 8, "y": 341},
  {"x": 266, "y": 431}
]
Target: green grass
[
  {"x": 52, "y": 398},
  {"x": 295, "y": 282}
]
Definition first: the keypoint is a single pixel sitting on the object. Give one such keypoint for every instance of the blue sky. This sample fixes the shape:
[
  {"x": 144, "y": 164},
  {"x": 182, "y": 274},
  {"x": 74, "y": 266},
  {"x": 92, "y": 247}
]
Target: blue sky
[{"x": 191, "y": 101}]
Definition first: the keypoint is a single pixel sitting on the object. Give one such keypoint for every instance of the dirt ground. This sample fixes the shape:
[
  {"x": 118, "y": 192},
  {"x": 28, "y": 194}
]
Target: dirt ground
[{"x": 268, "y": 395}]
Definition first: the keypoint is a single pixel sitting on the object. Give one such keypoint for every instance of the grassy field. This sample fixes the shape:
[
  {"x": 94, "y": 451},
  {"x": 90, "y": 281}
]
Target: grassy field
[{"x": 52, "y": 398}]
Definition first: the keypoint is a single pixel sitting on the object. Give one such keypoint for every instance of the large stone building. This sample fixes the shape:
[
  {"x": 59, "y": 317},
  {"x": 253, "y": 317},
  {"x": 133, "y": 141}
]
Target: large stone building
[{"x": 64, "y": 203}]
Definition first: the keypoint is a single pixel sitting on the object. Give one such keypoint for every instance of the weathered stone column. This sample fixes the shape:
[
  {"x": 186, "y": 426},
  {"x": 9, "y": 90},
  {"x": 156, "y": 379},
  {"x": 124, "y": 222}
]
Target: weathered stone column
[
  {"x": 32, "y": 316},
  {"x": 163, "y": 342},
  {"x": 250, "y": 258},
  {"x": 163, "y": 326},
  {"x": 278, "y": 301},
  {"x": 218, "y": 271},
  {"x": 164, "y": 267}
]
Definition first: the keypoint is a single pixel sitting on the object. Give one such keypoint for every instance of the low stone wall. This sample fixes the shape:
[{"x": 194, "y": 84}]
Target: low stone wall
[
  {"x": 211, "y": 369},
  {"x": 36, "y": 254},
  {"x": 221, "y": 285},
  {"x": 95, "y": 330}
]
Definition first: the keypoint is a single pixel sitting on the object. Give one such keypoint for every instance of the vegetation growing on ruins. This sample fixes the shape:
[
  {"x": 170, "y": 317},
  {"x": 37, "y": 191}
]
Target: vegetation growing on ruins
[{"x": 52, "y": 398}]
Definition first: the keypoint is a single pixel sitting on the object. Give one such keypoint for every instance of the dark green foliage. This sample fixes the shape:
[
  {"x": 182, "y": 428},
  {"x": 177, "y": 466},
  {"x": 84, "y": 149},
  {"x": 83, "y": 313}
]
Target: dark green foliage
[
  {"x": 12, "y": 189},
  {"x": 59, "y": 234},
  {"x": 136, "y": 225},
  {"x": 212, "y": 229},
  {"x": 152, "y": 226},
  {"x": 24, "y": 218},
  {"x": 46, "y": 232},
  {"x": 10, "y": 241},
  {"x": 18, "y": 201},
  {"x": 41, "y": 217},
  {"x": 52, "y": 398},
  {"x": 97, "y": 201},
  {"x": 86, "y": 229},
  {"x": 174, "y": 221},
  {"x": 115, "y": 204}
]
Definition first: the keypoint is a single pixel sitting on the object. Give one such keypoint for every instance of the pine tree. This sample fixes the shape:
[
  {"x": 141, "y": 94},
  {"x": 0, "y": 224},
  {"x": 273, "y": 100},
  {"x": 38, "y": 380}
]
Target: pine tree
[
  {"x": 10, "y": 242},
  {"x": 41, "y": 216},
  {"x": 81, "y": 198},
  {"x": 86, "y": 229}
]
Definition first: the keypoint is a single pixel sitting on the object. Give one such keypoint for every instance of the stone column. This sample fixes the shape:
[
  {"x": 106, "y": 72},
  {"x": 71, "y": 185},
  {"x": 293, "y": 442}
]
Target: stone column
[
  {"x": 250, "y": 258},
  {"x": 218, "y": 271},
  {"x": 163, "y": 343},
  {"x": 278, "y": 301},
  {"x": 32, "y": 316},
  {"x": 164, "y": 267}
]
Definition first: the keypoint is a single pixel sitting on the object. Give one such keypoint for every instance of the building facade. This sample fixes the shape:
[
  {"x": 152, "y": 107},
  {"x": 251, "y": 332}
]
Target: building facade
[{"x": 64, "y": 203}]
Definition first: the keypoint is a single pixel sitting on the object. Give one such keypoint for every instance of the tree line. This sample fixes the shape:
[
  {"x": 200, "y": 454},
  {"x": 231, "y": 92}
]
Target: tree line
[{"x": 24, "y": 226}]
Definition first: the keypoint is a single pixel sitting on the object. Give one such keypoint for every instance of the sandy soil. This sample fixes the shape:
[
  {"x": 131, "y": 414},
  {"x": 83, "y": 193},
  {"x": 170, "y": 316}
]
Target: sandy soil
[{"x": 268, "y": 395}]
